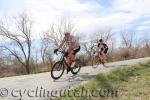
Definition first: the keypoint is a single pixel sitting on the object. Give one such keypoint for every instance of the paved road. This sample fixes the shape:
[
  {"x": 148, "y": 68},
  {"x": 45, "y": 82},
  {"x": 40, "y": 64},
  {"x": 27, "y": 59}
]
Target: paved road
[{"x": 40, "y": 86}]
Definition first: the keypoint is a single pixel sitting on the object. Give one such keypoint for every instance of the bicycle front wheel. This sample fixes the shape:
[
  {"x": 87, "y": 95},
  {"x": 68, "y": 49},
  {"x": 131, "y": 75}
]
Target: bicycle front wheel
[
  {"x": 57, "y": 70},
  {"x": 95, "y": 62}
]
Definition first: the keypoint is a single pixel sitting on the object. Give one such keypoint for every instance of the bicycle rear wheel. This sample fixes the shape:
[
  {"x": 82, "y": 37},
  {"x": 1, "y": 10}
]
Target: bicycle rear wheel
[
  {"x": 57, "y": 70},
  {"x": 77, "y": 67},
  {"x": 95, "y": 62}
]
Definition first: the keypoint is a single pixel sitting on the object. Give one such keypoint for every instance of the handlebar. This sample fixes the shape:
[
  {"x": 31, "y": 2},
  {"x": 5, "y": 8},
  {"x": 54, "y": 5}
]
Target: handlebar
[{"x": 61, "y": 51}]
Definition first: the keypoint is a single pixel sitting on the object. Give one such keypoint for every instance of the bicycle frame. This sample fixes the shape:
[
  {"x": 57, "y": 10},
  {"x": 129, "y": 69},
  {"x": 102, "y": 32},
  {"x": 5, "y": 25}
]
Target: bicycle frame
[
  {"x": 100, "y": 57},
  {"x": 63, "y": 58},
  {"x": 64, "y": 66}
]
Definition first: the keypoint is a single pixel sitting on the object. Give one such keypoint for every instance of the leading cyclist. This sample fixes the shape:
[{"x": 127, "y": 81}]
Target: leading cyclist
[{"x": 73, "y": 47}]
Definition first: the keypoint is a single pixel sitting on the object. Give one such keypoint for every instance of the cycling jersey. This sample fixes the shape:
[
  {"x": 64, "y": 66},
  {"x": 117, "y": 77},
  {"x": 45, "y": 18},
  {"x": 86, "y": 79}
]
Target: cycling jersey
[
  {"x": 103, "y": 47},
  {"x": 71, "y": 40}
]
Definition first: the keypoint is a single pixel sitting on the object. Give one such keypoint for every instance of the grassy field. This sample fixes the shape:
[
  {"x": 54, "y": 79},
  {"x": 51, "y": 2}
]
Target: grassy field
[{"x": 127, "y": 83}]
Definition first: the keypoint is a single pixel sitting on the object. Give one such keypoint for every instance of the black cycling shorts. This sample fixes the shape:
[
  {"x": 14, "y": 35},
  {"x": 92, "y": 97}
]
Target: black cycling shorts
[
  {"x": 74, "y": 51},
  {"x": 105, "y": 51}
]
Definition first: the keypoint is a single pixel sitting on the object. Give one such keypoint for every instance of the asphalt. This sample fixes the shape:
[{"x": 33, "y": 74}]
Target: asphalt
[{"x": 42, "y": 87}]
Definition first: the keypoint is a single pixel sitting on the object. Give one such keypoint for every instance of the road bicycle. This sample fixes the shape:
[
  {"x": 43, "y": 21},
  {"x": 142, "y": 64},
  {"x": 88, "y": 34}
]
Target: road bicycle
[
  {"x": 97, "y": 59},
  {"x": 60, "y": 66}
]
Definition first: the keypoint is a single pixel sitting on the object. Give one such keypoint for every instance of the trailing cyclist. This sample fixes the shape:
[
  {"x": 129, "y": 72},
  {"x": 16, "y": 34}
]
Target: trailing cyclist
[{"x": 102, "y": 49}]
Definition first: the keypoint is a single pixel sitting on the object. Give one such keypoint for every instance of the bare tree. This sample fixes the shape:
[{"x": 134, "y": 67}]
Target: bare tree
[
  {"x": 1, "y": 58},
  {"x": 19, "y": 43},
  {"x": 44, "y": 47},
  {"x": 130, "y": 44},
  {"x": 127, "y": 39},
  {"x": 146, "y": 41},
  {"x": 36, "y": 61},
  {"x": 105, "y": 35},
  {"x": 46, "y": 52},
  {"x": 89, "y": 47}
]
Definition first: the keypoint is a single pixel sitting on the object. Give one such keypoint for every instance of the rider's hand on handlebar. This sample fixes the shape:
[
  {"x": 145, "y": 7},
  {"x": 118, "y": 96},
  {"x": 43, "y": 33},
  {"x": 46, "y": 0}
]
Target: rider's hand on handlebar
[
  {"x": 94, "y": 52},
  {"x": 55, "y": 51}
]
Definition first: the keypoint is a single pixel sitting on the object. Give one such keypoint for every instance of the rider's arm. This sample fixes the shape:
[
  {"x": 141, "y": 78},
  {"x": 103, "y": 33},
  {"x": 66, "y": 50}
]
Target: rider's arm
[
  {"x": 74, "y": 42},
  {"x": 98, "y": 47},
  {"x": 105, "y": 45},
  {"x": 70, "y": 48},
  {"x": 62, "y": 43}
]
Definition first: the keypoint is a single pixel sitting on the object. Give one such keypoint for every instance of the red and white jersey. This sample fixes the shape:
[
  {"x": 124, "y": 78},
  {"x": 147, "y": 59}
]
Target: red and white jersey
[{"x": 102, "y": 46}]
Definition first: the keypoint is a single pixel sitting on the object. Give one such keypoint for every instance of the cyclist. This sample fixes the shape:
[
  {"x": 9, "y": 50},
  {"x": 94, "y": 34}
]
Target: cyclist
[
  {"x": 73, "y": 47},
  {"x": 102, "y": 49}
]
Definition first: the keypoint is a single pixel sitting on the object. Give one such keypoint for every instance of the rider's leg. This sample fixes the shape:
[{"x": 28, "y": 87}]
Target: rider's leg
[
  {"x": 67, "y": 57},
  {"x": 76, "y": 50},
  {"x": 103, "y": 58},
  {"x": 70, "y": 54},
  {"x": 68, "y": 61}
]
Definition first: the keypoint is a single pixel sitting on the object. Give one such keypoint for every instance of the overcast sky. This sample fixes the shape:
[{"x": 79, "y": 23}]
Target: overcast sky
[{"x": 88, "y": 15}]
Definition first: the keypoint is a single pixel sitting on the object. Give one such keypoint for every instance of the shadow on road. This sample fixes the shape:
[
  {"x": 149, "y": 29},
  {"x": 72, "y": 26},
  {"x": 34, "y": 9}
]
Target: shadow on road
[
  {"x": 81, "y": 77},
  {"x": 76, "y": 78}
]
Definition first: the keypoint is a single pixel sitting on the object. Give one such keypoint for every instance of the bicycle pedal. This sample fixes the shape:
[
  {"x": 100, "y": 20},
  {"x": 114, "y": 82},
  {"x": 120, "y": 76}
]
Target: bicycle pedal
[{"x": 68, "y": 70}]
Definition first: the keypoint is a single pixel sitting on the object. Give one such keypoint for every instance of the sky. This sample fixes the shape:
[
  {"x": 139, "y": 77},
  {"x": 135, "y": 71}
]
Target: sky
[{"x": 89, "y": 16}]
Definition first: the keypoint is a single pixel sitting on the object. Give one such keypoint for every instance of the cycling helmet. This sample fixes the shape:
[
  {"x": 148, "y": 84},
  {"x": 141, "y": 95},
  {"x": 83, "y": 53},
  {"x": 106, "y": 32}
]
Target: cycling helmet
[
  {"x": 101, "y": 40},
  {"x": 66, "y": 33}
]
